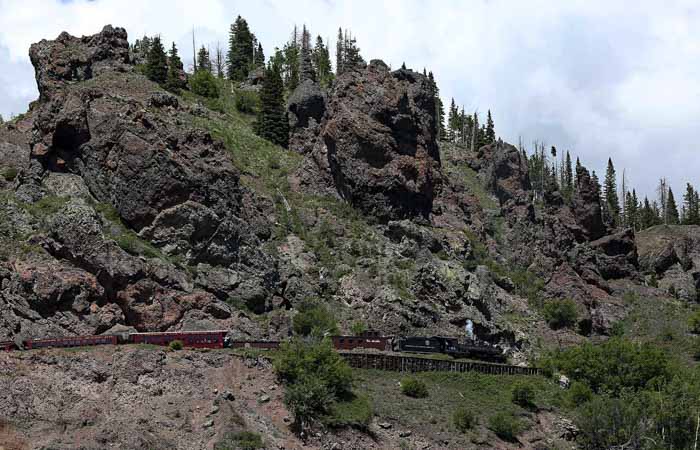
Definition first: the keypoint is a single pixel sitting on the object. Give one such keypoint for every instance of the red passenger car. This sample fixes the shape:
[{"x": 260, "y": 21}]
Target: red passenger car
[
  {"x": 368, "y": 339},
  {"x": 7, "y": 346},
  {"x": 75, "y": 341},
  {"x": 195, "y": 339}
]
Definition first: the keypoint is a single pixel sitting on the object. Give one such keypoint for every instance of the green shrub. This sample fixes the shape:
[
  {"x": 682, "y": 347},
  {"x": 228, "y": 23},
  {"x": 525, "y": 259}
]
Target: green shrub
[
  {"x": 505, "y": 425},
  {"x": 694, "y": 322},
  {"x": 613, "y": 366},
  {"x": 579, "y": 393},
  {"x": 242, "y": 440},
  {"x": 696, "y": 349},
  {"x": 315, "y": 376},
  {"x": 358, "y": 327},
  {"x": 464, "y": 419},
  {"x": 9, "y": 174},
  {"x": 176, "y": 345},
  {"x": 203, "y": 83},
  {"x": 247, "y": 102},
  {"x": 413, "y": 387},
  {"x": 560, "y": 313},
  {"x": 314, "y": 319},
  {"x": 523, "y": 394},
  {"x": 355, "y": 412},
  {"x": 611, "y": 423}
]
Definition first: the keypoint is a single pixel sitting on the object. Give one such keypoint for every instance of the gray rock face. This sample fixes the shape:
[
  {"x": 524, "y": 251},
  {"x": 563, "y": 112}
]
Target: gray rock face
[
  {"x": 586, "y": 206},
  {"x": 305, "y": 109},
  {"x": 378, "y": 137},
  {"x": 506, "y": 172},
  {"x": 70, "y": 59}
]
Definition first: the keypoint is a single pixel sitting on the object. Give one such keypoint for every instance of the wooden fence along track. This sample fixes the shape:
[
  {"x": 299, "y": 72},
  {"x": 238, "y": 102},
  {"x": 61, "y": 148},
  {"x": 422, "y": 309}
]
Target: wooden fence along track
[{"x": 398, "y": 363}]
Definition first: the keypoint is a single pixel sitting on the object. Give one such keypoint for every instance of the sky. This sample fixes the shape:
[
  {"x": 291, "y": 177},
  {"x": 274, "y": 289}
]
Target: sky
[{"x": 601, "y": 79}]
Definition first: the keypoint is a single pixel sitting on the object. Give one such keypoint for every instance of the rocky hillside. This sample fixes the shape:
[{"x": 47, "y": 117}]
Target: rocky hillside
[{"x": 125, "y": 205}]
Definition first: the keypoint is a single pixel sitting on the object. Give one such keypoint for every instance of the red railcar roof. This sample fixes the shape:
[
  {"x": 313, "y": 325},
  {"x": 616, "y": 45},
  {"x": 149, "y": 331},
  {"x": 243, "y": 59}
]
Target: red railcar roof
[{"x": 67, "y": 338}]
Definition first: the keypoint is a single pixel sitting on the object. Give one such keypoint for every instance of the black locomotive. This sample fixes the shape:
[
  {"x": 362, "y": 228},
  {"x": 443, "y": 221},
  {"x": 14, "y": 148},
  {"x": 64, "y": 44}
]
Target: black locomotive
[{"x": 449, "y": 346}]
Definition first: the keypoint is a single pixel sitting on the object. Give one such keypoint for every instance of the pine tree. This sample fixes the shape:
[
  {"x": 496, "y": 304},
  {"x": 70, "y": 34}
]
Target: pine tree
[
  {"x": 672, "y": 209},
  {"x": 291, "y": 62},
  {"x": 475, "y": 132},
  {"x": 452, "y": 122},
  {"x": 439, "y": 112},
  {"x": 203, "y": 60},
  {"x": 322, "y": 63},
  {"x": 175, "y": 80},
  {"x": 272, "y": 121},
  {"x": 568, "y": 178},
  {"x": 662, "y": 190},
  {"x": 340, "y": 53},
  {"x": 307, "y": 71},
  {"x": 691, "y": 206},
  {"x": 241, "y": 50},
  {"x": 612, "y": 201},
  {"x": 490, "y": 130},
  {"x": 353, "y": 59},
  {"x": 157, "y": 63},
  {"x": 259, "y": 56}
]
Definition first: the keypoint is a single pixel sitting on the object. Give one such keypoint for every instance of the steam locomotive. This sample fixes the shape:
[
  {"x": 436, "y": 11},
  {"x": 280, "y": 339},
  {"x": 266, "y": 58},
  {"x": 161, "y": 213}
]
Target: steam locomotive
[{"x": 220, "y": 339}]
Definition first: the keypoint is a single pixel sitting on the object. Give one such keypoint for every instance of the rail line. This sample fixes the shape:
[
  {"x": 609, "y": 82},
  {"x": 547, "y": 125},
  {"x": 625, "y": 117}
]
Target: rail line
[{"x": 400, "y": 363}]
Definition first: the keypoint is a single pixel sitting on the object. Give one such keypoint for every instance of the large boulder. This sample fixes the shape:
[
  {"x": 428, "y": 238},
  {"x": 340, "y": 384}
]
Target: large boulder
[
  {"x": 378, "y": 138},
  {"x": 69, "y": 59},
  {"x": 506, "y": 172},
  {"x": 305, "y": 109}
]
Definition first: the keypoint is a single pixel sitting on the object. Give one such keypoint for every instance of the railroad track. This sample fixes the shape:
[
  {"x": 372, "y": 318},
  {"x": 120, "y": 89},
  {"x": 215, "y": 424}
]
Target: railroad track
[{"x": 400, "y": 363}]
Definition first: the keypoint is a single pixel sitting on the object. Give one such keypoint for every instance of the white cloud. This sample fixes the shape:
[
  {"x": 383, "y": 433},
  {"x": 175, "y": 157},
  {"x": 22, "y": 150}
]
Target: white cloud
[{"x": 600, "y": 78}]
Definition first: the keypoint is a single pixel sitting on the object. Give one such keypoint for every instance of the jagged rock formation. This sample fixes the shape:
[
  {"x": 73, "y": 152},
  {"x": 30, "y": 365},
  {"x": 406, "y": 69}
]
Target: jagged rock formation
[
  {"x": 670, "y": 255},
  {"x": 378, "y": 142},
  {"x": 104, "y": 137},
  {"x": 306, "y": 107}
]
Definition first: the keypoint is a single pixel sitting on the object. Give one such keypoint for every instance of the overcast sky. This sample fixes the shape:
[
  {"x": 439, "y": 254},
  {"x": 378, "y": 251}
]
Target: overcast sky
[{"x": 599, "y": 78}]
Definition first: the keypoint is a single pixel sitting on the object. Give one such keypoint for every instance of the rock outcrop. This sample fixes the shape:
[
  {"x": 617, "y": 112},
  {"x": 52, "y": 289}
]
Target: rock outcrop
[
  {"x": 305, "y": 108},
  {"x": 586, "y": 206},
  {"x": 378, "y": 142}
]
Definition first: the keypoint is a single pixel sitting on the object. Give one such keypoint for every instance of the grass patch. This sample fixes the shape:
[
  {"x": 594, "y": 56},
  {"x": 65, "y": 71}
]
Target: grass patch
[
  {"x": 9, "y": 173},
  {"x": 355, "y": 412},
  {"x": 241, "y": 440}
]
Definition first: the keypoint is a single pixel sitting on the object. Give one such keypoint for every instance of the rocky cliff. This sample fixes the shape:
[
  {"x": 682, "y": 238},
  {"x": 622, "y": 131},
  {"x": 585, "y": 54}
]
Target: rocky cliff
[{"x": 127, "y": 205}]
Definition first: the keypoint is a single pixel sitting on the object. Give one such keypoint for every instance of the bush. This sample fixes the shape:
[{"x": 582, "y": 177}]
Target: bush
[
  {"x": 579, "y": 393},
  {"x": 243, "y": 440},
  {"x": 560, "y": 313},
  {"x": 203, "y": 83},
  {"x": 315, "y": 376},
  {"x": 464, "y": 419},
  {"x": 176, "y": 345},
  {"x": 505, "y": 425},
  {"x": 358, "y": 327},
  {"x": 9, "y": 174},
  {"x": 610, "y": 423},
  {"x": 694, "y": 322},
  {"x": 355, "y": 412},
  {"x": 413, "y": 387},
  {"x": 696, "y": 349},
  {"x": 613, "y": 366},
  {"x": 524, "y": 395},
  {"x": 314, "y": 319},
  {"x": 247, "y": 102}
]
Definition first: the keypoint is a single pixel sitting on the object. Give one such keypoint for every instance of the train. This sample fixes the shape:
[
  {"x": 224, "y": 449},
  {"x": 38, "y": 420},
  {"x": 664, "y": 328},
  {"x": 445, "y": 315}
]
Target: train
[{"x": 451, "y": 346}]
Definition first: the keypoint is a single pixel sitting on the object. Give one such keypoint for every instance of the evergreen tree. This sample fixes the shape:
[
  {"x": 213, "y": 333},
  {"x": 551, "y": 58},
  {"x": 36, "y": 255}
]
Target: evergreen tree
[
  {"x": 452, "y": 122},
  {"x": 475, "y": 132},
  {"x": 241, "y": 50},
  {"x": 322, "y": 63},
  {"x": 203, "y": 60},
  {"x": 340, "y": 53},
  {"x": 439, "y": 112},
  {"x": 612, "y": 201},
  {"x": 490, "y": 130},
  {"x": 568, "y": 178},
  {"x": 306, "y": 61},
  {"x": 691, "y": 206},
  {"x": 259, "y": 56},
  {"x": 671, "y": 209},
  {"x": 175, "y": 79},
  {"x": 353, "y": 59},
  {"x": 291, "y": 62},
  {"x": 272, "y": 121},
  {"x": 649, "y": 215},
  {"x": 157, "y": 63}
]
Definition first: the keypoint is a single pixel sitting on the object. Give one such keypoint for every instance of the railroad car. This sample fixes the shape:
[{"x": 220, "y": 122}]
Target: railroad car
[
  {"x": 7, "y": 346},
  {"x": 449, "y": 346},
  {"x": 368, "y": 339},
  {"x": 195, "y": 339},
  {"x": 73, "y": 341}
]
